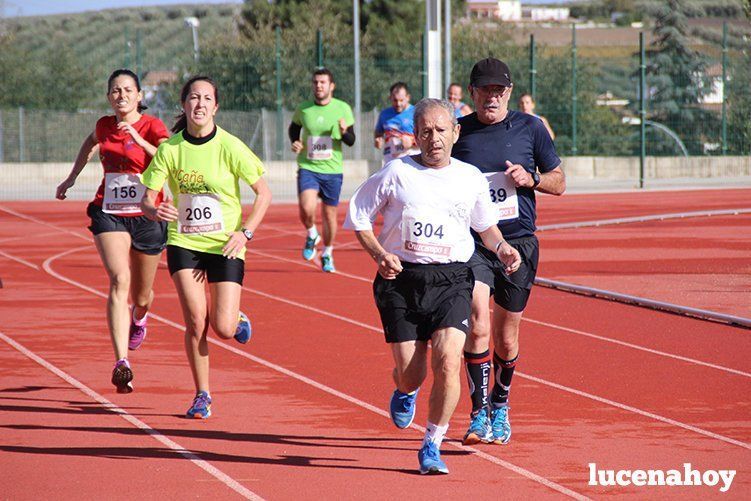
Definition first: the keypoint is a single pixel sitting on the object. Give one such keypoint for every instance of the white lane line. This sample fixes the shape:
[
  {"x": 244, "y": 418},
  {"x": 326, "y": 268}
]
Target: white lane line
[
  {"x": 590, "y": 396},
  {"x": 641, "y": 348},
  {"x": 26, "y": 237},
  {"x": 207, "y": 467},
  {"x": 19, "y": 260},
  {"x": 538, "y": 380},
  {"x": 644, "y": 219},
  {"x": 547, "y": 324},
  {"x": 629, "y": 408},
  {"x": 353, "y": 400},
  {"x": 45, "y": 223},
  {"x": 307, "y": 264},
  {"x": 560, "y": 387},
  {"x": 531, "y": 320}
]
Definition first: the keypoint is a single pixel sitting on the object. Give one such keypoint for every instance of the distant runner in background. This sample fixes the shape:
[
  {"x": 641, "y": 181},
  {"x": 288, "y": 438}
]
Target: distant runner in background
[
  {"x": 454, "y": 96},
  {"x": 527, "y": 105},
  {"x": 318, "y": 129},
  {"x": 394, "y": 130}
]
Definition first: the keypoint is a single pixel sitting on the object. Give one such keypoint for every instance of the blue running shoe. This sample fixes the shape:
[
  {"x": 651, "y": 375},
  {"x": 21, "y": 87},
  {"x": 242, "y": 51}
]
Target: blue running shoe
[
  {"x": 244, "y": 329},
  {"x": 501, "y": 425},
  {"x": 480, "y": 429},
  {"x": 309, "y": 251},
  {"x": 327, "y": 264},
  {"x": 430, "y": 460},
  {"x": 201, "y": 408},
  {"x": 402, "y": 408}
]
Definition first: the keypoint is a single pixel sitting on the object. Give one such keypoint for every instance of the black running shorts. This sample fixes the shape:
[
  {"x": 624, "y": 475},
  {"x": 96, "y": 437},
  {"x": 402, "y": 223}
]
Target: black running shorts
[
  {"x": 510, "y": 292},
  {"x": 146, "y": 236},
  {"x": 424, "y": 298},
  {"x": 217, "y": 267}
]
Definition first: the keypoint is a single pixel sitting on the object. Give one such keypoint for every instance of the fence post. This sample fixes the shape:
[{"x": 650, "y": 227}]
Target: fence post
[
  {"x": 425, "y": 63},
  {"x": 642, "y": 109},
  {"x": 724, "y": 86},
  {"x": 126, "y": 58},
  {"x": 21, "y": 136},
  {"x": 574, "y": 149},
  {"x": 138, "y": 69},
  {"x": 279, "y": 112},
  {"x": 267, "y": 157},
  {"x": 358, "y": 84},
  {"x": 532, "y": 68},
  {"x": 447, "y": 44},
  {"x": 319, "y": 48},
  {"x": 2, "y": 135}
]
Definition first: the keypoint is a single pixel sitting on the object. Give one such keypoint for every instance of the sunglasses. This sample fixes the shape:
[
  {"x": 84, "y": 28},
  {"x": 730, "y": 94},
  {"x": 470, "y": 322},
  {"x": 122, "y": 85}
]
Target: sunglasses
[{"x": 494, "y": 90}]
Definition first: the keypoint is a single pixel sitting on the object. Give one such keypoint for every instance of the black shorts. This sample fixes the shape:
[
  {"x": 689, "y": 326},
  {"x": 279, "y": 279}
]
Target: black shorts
[
  {"x": 147, "y": 236},
  {"x": 424, "y": 298},
  {"x": 217, "y": 267},
  {"x": 510, "y": 292}
]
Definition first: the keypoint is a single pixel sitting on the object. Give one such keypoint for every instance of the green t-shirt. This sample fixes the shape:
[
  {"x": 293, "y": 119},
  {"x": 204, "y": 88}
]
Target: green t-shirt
[
  {"x": 204, "y": 179},
  {"x": 321, "y": 136}
]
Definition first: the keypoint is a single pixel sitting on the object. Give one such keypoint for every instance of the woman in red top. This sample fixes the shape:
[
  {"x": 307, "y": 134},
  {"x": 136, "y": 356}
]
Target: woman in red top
[{"x": 129, "y": 244}]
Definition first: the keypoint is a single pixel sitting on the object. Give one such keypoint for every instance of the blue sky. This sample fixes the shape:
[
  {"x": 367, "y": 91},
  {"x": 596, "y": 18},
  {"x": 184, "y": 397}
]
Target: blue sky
[
  {"x": 41, "y": 7},
  {"x": 15, "y": 8}
]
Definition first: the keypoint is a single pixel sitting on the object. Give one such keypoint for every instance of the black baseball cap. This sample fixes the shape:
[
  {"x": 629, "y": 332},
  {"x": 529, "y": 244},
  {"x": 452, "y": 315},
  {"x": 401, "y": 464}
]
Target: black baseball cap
[{"x": 490, "y": 71}]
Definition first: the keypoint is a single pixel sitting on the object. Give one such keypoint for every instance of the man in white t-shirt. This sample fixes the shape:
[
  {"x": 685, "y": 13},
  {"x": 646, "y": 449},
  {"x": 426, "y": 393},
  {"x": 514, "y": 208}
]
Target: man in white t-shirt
[{"x": 423, "y": 289}]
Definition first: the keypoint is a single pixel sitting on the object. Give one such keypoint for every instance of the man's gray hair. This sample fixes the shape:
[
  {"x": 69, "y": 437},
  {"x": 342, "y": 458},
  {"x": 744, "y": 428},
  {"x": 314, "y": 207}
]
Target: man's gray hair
[{"x": 429, "y": 103}]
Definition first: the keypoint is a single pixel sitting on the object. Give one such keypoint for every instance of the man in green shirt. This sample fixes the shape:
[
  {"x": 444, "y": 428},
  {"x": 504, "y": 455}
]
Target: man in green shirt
[{"x": 318, "y": 129}]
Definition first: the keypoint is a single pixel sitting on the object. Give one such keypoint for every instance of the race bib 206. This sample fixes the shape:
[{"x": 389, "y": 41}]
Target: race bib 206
[{"x": 199, "y": 213}]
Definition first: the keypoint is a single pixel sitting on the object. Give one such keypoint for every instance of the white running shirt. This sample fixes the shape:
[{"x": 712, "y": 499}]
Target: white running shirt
[{"x": 427, "y": 212}]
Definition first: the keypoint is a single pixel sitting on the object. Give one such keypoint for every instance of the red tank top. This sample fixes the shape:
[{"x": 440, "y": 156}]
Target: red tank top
[{"x": 119, "y": 153}]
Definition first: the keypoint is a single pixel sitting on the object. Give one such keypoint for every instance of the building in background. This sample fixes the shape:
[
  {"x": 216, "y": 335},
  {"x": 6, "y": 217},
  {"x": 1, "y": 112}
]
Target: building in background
[
  {"x": 713, "y": 100},
  {"x": 539, "y": 14},
  {"x": 155, "y": 84},
  {"x": 513, "y": 11},
  {"x": 505, "y": 10}
]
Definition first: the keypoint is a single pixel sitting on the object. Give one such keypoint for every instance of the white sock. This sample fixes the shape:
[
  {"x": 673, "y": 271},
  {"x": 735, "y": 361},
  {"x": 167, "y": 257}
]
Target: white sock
[
  {"x": 328, "y": 250},
  {"x": 312, "y": 232},
  {"x": 435, "y": 434},
  {"x": 137, "y": 321}
]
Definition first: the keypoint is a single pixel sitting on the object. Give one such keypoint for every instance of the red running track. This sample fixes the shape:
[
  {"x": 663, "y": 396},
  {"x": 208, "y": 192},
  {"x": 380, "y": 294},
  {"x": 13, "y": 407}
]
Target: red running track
[{"x": 300, "y": 411}]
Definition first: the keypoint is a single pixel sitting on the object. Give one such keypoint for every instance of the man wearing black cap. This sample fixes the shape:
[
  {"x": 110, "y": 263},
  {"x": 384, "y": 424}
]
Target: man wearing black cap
[{"x": 509, "y": 147}]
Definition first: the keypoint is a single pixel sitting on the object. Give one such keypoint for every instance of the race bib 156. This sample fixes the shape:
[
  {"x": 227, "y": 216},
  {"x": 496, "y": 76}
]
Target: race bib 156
[{"x": 122, "y": 193}]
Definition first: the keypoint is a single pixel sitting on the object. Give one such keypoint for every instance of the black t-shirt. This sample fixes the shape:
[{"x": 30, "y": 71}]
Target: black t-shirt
[{"x": 519, "y": 138}]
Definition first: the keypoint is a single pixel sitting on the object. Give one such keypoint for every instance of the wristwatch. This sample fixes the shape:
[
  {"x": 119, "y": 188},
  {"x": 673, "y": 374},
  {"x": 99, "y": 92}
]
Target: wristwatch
[
  {"x": 535, "y": 180},
  {"x": 248, "y": 234}
]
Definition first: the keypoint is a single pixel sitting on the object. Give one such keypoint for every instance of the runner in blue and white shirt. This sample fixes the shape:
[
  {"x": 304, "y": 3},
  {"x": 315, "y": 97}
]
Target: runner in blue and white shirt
[{"x": 394, "y": 130}]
